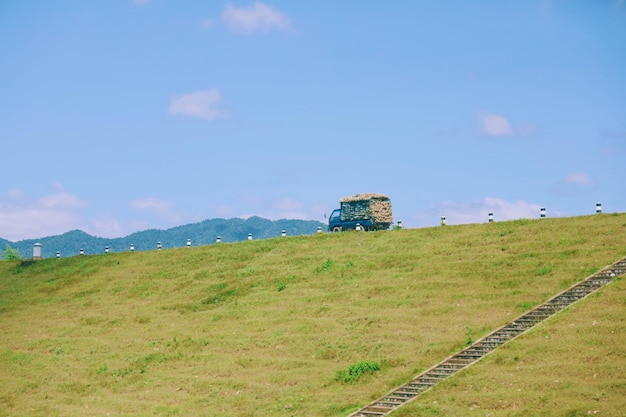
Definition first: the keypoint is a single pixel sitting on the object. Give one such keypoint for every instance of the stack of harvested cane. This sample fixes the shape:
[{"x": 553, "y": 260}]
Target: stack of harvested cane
[{"x": 367, "y": 206}]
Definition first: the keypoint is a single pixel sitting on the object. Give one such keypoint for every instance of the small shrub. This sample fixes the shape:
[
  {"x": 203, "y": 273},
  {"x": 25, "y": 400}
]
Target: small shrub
[
  {"x": 325, "y": 267},
  {"x": 103, "y": 369},
  {"x": 11, "y": 254},
  {"x": 281, "y": 286},
  {"x": 545, "y": 270},
  {"x": 356, "y": 371}
]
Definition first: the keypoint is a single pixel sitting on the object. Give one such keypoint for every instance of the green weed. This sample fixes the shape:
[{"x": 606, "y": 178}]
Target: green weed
[
  {"x": 356, "y": 371},
  {"x": 325, "y": 267}
]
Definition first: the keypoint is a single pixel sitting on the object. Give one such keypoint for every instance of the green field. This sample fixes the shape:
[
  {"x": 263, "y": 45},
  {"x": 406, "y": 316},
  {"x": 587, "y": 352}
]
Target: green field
[{"x": 264, "y": 327}]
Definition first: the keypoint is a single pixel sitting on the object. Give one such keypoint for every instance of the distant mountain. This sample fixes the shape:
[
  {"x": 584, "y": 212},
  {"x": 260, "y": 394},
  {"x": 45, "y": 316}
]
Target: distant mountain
[{"x": 202, "y": 233}]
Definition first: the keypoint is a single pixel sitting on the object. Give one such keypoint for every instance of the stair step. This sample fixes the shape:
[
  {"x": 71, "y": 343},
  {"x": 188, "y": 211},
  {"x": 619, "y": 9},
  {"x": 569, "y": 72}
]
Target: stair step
[
  {"x": 377, "y": 409},
  {"x": 477, "y": 352},
  {"x": 543, "y": 313},
  {"x": 438, "y": 374},
  {"x": 525, "y": 320},
  {"x": 406, "y": 388},
  {"x": 568, "y": 298},
  {"x": 511, "y": 331},
  {"x": 426, "y": 381},
  {"x": 442, "y": 372},
  {"x": 452, "y": 365},
  {"x": 419, "y": 386},
  {"x": 370, "y": 414},
  {"x": 473, "y": 357},
  {"x": 605, "y": 274},
  {"x": 580, "y": 293},
  {"x": 497, "y": 338},
  {"x": 386, "y": 404},
  {"x": 590, "y": 286},
  {"x": 473, "y": 352},
  {"x": 402, "y": 395},
  {"x": 557, "y": 303},
  {"x": 395, "y": 400},
  {"x": 558, "y": 306},
  {"x": 488, "y": 345},
  {"x": 458, "y": 365}
]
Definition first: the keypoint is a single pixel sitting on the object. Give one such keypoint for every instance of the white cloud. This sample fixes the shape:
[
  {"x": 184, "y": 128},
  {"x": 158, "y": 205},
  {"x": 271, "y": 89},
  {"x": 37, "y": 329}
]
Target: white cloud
[
  {"x": 222, "y": 210},
  {"x": 107, "y": 227},
  {"x": 477, "y": 211},
  {"x": 506, "y": 210},
  {"x": 577, "y": 183},
  {"x": 494, "y": 124},
  {"x": 25, "y": 217},
  {"x": 579, "y": 178},
  {"x": 259, "y": 17},
  {"x": 275, "y": 209},
  {"x": 151, "y": 203},
  {"x": 61, "y": 200},
  {"x": 545, "y": 6},
  {"x": 288, "y": 208},
  {"x": 206, "y": 23},
  {"x": 161, "y": 209},
  {"x": 201, "y": 104}
]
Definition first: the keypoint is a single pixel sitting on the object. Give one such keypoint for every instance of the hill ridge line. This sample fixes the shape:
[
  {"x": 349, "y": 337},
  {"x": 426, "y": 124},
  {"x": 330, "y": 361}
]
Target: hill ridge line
[{"x": 451, "y": 365}]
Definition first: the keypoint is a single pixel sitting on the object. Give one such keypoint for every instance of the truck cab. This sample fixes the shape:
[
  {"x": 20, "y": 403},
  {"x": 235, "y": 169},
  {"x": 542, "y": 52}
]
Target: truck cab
[{"x": 335, "y": 224}]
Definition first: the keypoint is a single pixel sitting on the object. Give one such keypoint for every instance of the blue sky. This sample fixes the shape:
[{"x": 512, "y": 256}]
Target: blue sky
[{"x": 121, "y": 115}]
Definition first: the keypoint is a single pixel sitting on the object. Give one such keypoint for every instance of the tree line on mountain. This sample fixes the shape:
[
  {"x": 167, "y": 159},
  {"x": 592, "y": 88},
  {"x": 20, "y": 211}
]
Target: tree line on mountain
[{"x": 202, "y": 233}]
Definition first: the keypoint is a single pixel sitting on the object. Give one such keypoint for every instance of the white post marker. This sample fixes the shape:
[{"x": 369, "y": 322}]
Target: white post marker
[
  {"x": 598, "y": 208},
  {"x": 159, "y": 245},
  {"x": 490, "y": 217},
  {"x": 543, "y": 212},
  {"x": 37, "y": 251},
  {"x": 132, "y": 247},
  {"x": 218, "y": 240},
  {"x": 249, "y": 236},
  {"x": 443, "y": 220},
  {"x": 284, "y": 234},
  {"x": 188, "y": 243}
]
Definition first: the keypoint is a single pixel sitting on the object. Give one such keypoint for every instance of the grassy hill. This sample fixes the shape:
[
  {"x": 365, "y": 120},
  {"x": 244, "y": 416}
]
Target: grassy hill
[{"x": 263, "y": 327}]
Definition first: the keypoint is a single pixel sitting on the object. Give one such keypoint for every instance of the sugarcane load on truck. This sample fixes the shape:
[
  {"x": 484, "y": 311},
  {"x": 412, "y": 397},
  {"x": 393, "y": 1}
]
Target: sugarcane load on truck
[{"x": 368, "y": 211}]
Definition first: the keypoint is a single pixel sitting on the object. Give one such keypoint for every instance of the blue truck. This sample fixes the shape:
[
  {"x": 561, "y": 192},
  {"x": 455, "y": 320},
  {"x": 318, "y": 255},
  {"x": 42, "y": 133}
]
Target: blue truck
[{"x": 364, "y": 212}]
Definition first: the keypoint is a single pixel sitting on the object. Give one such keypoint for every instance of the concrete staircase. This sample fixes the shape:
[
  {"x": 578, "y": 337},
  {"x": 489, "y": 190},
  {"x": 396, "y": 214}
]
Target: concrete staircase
[{"x": 424, "y": 381}]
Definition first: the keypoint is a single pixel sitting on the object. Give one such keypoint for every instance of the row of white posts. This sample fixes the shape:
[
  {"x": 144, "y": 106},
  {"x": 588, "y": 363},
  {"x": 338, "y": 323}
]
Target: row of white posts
[
  {"x": 37, "y": 246},
  {"x": 542, "y": 214}
]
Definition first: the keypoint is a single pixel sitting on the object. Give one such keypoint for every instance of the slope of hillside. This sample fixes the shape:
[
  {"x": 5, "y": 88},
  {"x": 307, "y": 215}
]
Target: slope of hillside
[{"x": 263, "y": 327}]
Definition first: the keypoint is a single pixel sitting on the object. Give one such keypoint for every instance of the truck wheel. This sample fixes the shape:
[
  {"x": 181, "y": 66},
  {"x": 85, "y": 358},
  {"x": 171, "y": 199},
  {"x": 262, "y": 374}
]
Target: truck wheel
[{"x": 336, "y": 229}]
